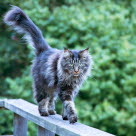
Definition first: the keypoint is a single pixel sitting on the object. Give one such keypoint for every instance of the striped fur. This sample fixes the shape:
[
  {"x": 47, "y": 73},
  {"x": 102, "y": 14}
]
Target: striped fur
[{"x": 56, "y": 73}]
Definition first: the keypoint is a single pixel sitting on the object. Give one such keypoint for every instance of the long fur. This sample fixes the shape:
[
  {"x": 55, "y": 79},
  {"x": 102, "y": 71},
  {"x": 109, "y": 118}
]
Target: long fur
[
  {"x": 56, "y": 73},
  {"x": 20, "y": 22}
]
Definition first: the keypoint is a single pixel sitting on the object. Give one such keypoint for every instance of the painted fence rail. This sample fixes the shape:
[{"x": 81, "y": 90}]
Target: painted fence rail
[{"x": 47, "y": 126}]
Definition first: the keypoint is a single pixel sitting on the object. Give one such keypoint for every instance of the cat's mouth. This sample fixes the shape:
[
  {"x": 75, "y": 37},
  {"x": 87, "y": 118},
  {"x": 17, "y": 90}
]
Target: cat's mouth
[{"x": 76, "y": 74}]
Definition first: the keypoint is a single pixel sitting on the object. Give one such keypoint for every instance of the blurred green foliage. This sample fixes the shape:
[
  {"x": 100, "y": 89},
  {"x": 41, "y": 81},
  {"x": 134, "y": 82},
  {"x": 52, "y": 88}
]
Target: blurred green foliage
[{"x": 107, "y": 100}]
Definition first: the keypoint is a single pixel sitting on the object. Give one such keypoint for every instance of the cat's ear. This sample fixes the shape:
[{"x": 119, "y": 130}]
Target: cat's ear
[
  {"x": 84, "y": 52},
  {"x": 65, "y": 49},
  {"x": 87, "y": 49},
  {"x": 67, "y": 52}
]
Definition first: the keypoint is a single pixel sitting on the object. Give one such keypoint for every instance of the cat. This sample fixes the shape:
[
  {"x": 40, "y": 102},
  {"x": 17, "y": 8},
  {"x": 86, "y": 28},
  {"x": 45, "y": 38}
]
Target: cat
[{"x": 56, "y": 73}]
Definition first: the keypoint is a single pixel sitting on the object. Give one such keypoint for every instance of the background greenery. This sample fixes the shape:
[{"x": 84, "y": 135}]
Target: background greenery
[{"x": 107, "y": 101}]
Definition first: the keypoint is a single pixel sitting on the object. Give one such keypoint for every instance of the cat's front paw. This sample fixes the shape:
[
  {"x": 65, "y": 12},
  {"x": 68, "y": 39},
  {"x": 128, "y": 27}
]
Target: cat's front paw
[
  {"x": 52, "y": 112},
  {"x": 73, "y": 119},
  {"x": 64, "y": 117},
  {"x": 43, "y": 112}
]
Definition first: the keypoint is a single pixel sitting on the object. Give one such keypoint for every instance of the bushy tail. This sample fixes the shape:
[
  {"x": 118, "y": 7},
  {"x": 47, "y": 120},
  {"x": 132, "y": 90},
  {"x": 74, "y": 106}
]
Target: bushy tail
[{"x": 23, "y": 24}]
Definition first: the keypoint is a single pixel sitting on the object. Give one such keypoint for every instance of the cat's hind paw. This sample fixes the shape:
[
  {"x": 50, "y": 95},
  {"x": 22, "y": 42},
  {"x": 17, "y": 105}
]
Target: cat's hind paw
[
  {"x": 73, "y": 119},
  {"x": 44, "y": 113},
  {"x": 65, "y": 118},
  {"x": 52, "y": 112}
]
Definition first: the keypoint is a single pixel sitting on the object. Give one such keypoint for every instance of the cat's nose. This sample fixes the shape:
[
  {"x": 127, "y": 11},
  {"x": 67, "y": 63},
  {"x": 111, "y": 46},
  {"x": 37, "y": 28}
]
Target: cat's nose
[
  {"x": 76, "y": 72},
  {"x": 76, "y": 69}
]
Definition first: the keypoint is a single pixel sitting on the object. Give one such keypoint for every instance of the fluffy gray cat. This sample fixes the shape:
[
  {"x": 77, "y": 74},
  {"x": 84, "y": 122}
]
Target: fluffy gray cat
[{"x": 56, "y": 73}]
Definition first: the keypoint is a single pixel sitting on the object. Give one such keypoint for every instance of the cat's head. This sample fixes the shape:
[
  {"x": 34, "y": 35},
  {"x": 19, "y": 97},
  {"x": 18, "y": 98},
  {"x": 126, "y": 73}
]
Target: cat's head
[{"x": 75, "y": 63}]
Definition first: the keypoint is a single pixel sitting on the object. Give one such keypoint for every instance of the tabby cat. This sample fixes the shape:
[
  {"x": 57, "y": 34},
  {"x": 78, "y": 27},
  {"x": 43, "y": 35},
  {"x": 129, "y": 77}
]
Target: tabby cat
[{"x": 56, "y": 73}]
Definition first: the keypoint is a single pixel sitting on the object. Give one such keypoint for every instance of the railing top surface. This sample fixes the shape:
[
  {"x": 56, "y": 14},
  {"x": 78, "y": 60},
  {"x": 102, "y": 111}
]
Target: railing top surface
[{"x": 53, "y": 123}]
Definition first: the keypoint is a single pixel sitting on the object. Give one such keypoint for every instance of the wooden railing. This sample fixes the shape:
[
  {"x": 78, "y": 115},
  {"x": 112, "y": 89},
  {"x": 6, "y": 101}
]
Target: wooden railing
[{"x": 47, "y": 126}]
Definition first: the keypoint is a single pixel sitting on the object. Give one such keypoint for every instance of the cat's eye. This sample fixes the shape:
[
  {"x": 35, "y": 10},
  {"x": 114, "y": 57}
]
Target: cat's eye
[
  {"x": 70, "y": 65},
  {"x": 81, "y": 64}
]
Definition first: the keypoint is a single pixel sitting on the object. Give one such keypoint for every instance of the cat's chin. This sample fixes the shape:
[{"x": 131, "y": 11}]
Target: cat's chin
[{"x": 76, "y": 75}]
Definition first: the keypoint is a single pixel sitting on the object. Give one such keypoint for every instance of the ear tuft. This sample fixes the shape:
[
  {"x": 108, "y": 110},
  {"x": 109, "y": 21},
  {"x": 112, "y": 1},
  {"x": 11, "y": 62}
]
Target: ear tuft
[
  {"x": 65, "y": 49},
  {"x": 87, "y": 49},
  {"x": 84, "y": 52},
  {"x": 67, "y": 52}
]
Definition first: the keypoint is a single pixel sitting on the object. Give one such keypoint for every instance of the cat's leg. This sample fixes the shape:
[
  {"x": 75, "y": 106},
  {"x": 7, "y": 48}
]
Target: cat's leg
[
  {"x": 68, "y": 106},
  {"x": 42, "y": 99},
  {"x": 64, "y": 114},
  {"x": 51, "y": 106},
  {"x": 43, "y": 107}
]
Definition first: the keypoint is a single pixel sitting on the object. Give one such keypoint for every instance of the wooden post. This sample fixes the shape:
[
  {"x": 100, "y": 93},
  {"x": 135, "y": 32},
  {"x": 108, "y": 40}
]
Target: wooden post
[
  {"x": 20, "y": 125},
  {"x": 47, "y": 125},
  {"x": 44, "y": 132}
]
